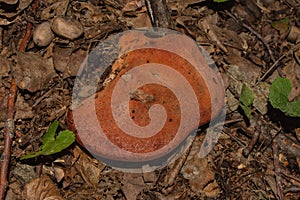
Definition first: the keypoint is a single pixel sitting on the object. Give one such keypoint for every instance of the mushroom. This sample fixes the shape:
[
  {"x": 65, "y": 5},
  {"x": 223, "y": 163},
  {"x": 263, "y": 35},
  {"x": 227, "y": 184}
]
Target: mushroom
[{"x": 168, "y": 72}]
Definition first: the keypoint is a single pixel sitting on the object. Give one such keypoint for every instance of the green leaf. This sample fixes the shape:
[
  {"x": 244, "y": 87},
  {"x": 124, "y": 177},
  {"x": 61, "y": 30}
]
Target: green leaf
[
  {"x": 293, "y": 109},
  {"x": 279, "y": 93},
  {"x": 279, "y": 97},
  {"x": 49, "y": 135},
  {"x": 247, "y": 111},
  {"x": 52, "y": 145},
  {"x": 247, "y": 97},
  {"x": 246, "y": 100},
  {"x": 31, "y": 155},
  {"x": 62, "y": 141}
]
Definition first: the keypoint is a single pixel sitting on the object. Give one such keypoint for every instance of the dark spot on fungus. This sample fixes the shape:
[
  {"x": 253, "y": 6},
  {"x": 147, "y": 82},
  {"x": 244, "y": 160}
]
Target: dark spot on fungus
[{"x": 215, "y": 81}]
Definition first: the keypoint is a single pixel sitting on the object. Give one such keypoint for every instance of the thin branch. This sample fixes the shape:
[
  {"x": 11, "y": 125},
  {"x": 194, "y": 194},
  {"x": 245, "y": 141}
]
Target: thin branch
[
  {"x": 277, "y": 170},
  {"x": 275, "y": 64},
  {"x": 159, "y": 14},
  {"x": 8, "y": 138},
  {"x": 9, "y": 130},
  {"x": 255, "y": 33}
]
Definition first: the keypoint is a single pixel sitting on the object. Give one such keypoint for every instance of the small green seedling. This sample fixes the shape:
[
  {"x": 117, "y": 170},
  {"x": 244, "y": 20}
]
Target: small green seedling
[
  {"x": 52, "y": 144},
  {"x": 246, "y": 100},
  {"x": 279, "y": 97}
]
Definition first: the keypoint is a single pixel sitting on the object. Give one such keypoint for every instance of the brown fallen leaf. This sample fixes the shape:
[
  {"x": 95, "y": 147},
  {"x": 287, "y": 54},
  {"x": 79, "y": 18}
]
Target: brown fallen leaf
[
  {"x": 141, "y": 20},
  {"x": 68, "y": 60},
  {"x": 209, "y": 27},
  {"x": 3, "y": 103},
  {"x": 55, "y": 9},
  {"x": 181, "y": 4},
  {"x": 88, "y": 13},
  {"x": 9, "y": 1},
  {"x": 41, "y": 188},
  {"x": 5, "y": 68},
  {"x": 59, "y": 173},
  {"x": 133, "y": 184},
  {"x": 32, "y": 72},
  {"x": 199, "y": 173},
  {"x": 9, "y": 16},
  {"x": 292, "y": 72},
  {"x": 24, "y": 173},
  {"x": 89, "y": 168},
  {"x": 23, "y": 110}
]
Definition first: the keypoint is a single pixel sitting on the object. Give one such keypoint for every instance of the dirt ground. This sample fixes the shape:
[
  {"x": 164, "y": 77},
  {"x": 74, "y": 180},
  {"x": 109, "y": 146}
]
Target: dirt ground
[{"x": 42, "y": 45}]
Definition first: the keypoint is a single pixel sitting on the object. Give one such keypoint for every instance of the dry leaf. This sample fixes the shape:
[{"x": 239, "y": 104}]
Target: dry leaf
[
  {"x": 141, "y": 20},
  {"x": 32, "y": 71},
  {"x": 199, "y": 173},
  {"x": 23, "y": 110},
  {"x": 10, "y": 16},
  {"x": 150, "y": 177},
  {"x": 68, "y": 61},
  {"x": 41, "y": 188},
  {"x": 59, "y": 174},
  {"x": 90, "y": 169},
  {"x": 133, "y": 184},
  {"x": 3, "y": 103},
  {"x": 9, "y": 1},
  {"x": 5, "y": 68},
  {"x": 24, "y": 172},
  {"x": 208, "y": 25},
  {"x": 292, "y": 72},
  {"x": 55, "y": 9},
  {"x": 261, "y": 97},
  {"x": 88, "y": 13},
  {"x": 181, "y": 4}
]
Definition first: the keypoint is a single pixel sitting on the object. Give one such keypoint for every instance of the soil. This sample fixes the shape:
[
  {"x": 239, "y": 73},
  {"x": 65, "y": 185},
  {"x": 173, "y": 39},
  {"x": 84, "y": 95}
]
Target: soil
[{"x": 257, "y": 155}]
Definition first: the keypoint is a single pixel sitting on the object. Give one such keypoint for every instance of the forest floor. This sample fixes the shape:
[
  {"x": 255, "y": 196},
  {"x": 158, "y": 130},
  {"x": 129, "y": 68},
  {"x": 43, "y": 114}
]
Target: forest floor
[{"x": 257, "y": 156}]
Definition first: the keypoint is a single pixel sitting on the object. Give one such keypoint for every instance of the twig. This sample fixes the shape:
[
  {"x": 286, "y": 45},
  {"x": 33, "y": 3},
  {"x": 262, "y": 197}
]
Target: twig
[
  {"x": 261, "y": 39},
  {"x": 159, "y": 14},
  {"x": 275, "y": 64},
  {"x": 292, "y": 189},
  {"x": 250, "y": 146},
  {"x": 228, "y": 132},
  {"x": 285, "y": 173},
  {"x": 118, "y": 4},
  {"x": 277, "y": 170},
  {"x": 1, "y": 37},
  {"x": 26, "y": 37},
  {"x": 258, "y": 129},
  {"x": 8, "y": 138},
  {"x": 9, "y": 130},
  {"x": 271, "y": 69},
  {"x": 169, "y": 179},
  {"x": 28, "y": 32},
  {"x": 255, "y": 33}
]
